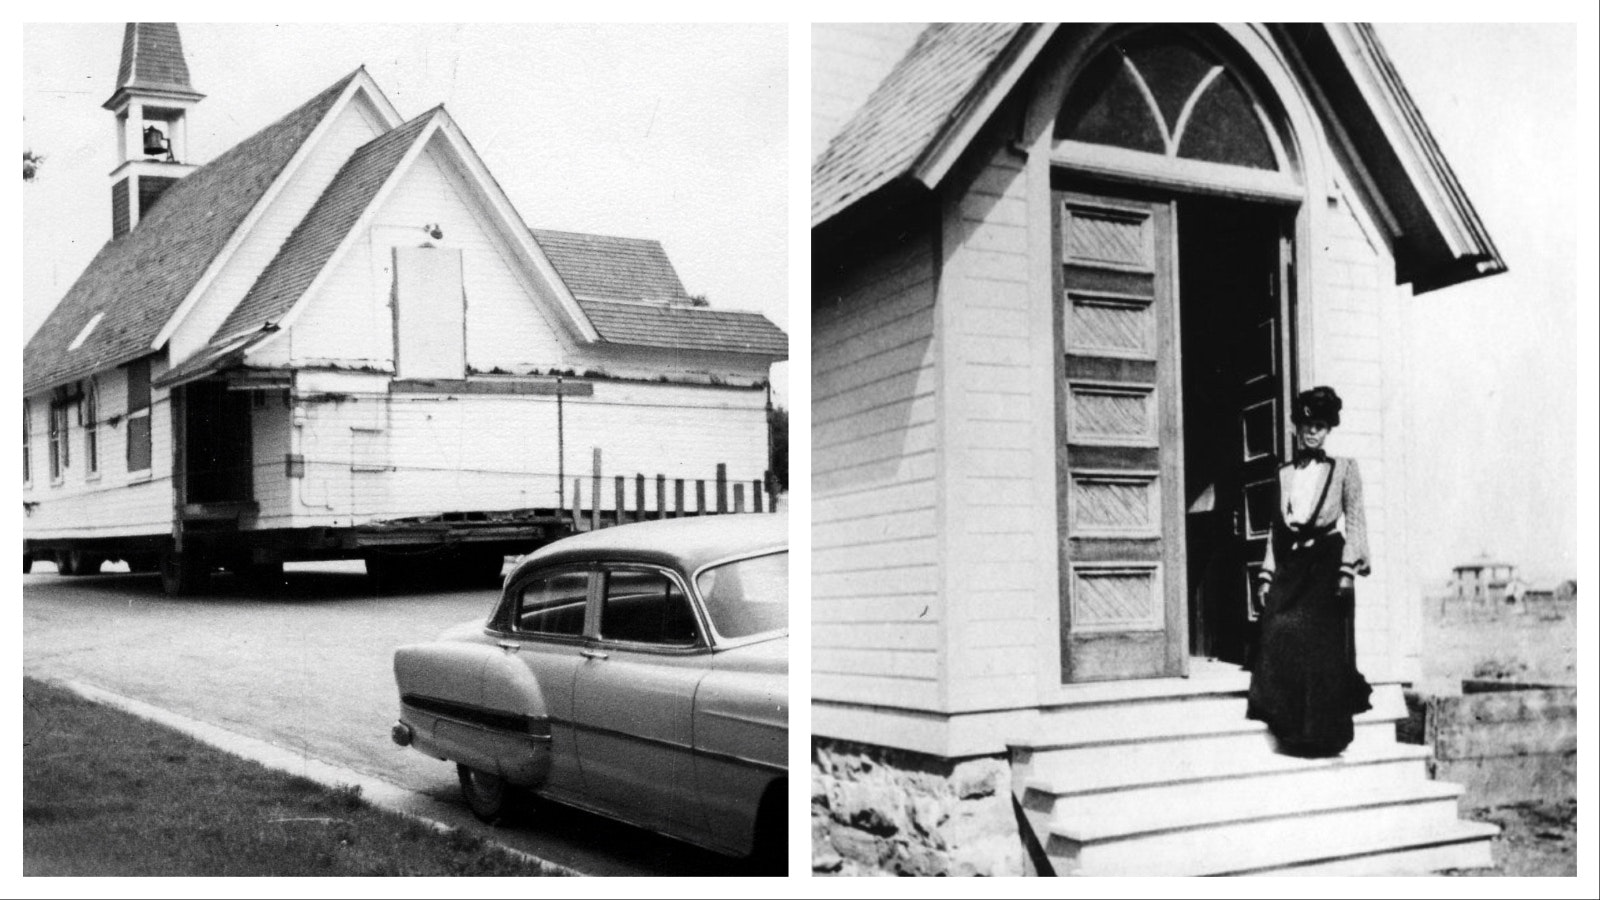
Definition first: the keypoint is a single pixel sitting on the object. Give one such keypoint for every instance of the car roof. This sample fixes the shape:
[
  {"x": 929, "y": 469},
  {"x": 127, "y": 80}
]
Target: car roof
[{"x": 681, "y": 543}]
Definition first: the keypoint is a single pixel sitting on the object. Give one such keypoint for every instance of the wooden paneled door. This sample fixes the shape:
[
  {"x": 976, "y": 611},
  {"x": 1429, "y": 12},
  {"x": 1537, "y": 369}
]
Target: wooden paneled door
[{"x": 1119, "y": 444}]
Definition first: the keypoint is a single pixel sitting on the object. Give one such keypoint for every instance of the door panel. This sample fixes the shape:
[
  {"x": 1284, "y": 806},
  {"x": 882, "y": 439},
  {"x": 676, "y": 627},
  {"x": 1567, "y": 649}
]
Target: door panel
[{"x": 1118, "y": 443}]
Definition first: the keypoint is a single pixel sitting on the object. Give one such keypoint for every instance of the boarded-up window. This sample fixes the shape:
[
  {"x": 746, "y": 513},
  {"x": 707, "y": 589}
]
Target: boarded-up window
[
  {"x": 91, "y": 426},
  {"x": 139, "y": 415},
  {"x": 60, "y": 450},
  {"x": 430, "y": 313},
  {"x": 27, "y": 442}
]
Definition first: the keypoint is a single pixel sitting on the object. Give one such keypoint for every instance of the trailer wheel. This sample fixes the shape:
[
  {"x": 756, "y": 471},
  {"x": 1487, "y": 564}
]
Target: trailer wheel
[
  {"x": 475, "y": 568},
  {"x": 84, "y": 563},
  {"x": 183, "y": 574},
  {"x": 262, "y": 576}
]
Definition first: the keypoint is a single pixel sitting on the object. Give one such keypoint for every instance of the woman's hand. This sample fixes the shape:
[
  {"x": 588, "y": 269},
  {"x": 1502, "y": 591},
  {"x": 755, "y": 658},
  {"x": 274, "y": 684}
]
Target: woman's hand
[{"x": 1347, "y": 583}]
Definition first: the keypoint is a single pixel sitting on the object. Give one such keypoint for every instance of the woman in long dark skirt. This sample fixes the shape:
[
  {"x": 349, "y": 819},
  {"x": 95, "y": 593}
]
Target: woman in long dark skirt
[{"x": 1304, "y": 683}]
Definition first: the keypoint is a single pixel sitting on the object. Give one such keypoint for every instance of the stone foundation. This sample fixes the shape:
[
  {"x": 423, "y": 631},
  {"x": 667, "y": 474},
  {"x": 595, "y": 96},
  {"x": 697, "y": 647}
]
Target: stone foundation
[
  {"x": 881, "y": 811},
  {"x": 1506, "y": 743}
]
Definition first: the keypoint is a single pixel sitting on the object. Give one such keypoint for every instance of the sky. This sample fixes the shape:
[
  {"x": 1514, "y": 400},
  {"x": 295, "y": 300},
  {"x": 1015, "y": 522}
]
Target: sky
[
  {"x": 1493, "y": 364},
  {"x": 673, "y": 132}
]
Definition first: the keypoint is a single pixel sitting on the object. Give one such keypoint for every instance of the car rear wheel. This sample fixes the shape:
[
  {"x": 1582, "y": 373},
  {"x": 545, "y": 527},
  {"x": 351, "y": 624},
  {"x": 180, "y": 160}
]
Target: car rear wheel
[{"x": 488, "y": 796}]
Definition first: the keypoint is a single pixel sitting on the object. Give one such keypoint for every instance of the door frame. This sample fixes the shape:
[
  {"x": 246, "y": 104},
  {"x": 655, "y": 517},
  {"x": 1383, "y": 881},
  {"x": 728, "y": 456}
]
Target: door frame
[{"x": 1296, "y": 219}]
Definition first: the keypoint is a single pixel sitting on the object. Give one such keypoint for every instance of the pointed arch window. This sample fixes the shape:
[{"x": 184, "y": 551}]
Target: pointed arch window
[{"x": 1159, "y": 91}]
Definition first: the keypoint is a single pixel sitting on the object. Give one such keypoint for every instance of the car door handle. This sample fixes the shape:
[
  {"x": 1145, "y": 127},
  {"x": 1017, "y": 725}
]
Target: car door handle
[
  {"x": 513, "y": 646},
  {"x": 593, "y": 654}
]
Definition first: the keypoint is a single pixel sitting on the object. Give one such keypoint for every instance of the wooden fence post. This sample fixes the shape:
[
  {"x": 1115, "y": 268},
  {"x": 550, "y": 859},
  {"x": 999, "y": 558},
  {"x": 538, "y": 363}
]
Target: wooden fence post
[
  {"x": 594, "y": 502},
  {"x": 677, "y": 489},
  {"x": 738, "y": 496},
  {"x": 638, "y": 495},
  {"x": 755, "y": 494},
  {"x": 577, "y": 502},
  {"x": 722, "y": 487},
  {"x": 622, "y": 496},
  {"x": 699, "y": 496},
  {"x": 661, "y": 496},
  {"x": 770, "y": 485}
]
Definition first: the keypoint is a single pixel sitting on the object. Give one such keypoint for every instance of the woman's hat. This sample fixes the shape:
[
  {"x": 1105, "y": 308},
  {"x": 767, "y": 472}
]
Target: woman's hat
[{"x": 1320, "y": 404}]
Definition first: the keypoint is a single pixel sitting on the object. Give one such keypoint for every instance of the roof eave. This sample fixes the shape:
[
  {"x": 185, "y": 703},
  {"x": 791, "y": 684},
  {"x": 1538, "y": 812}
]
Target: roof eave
[
  {"x": 152, "y": 90},
  {"x": 1443, "y": 240}
]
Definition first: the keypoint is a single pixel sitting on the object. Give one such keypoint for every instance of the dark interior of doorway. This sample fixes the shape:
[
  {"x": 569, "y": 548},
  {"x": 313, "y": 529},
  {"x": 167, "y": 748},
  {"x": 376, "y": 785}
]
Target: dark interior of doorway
[
  {"x": 1231, "y": 266},
  {"x": 217, "y": 456}
]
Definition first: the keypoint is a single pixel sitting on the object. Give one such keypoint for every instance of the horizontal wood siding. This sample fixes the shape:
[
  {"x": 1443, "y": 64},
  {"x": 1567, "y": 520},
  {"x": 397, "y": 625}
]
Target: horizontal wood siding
[
  {"x": 876, "y": 609},
  {"x": 370, "y": 455},
  {"x": 109, "y": 504},
  {"x": 994, "y": 402},
  {"x": 271, "y": 443},
  {"x": 1353, "y": 327},
  {"x": 352, "y": 127}
]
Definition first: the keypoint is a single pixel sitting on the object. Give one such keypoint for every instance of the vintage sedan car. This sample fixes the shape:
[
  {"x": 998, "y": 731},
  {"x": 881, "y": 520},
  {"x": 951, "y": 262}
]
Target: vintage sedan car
[{"x": 640, "y": 672}]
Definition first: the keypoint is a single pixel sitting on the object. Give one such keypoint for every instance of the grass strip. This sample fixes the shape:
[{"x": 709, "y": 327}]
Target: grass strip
[{"x": 107, "y": 793}]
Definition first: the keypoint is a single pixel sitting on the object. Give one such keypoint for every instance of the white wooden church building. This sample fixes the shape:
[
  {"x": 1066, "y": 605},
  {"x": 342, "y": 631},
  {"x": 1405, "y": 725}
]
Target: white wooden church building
[
  {"x": 1065, "y": 280},
  {"x": 341, "y": 324}
]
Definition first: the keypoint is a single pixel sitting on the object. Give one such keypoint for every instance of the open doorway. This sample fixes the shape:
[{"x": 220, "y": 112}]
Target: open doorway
[
  {"x": 217, "y": 456},
  {"x": 1234, "y": 260}
]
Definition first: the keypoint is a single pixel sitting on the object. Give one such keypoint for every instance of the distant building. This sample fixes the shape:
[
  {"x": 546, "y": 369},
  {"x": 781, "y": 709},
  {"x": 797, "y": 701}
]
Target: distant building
[{"x": 1486, "y": 580}]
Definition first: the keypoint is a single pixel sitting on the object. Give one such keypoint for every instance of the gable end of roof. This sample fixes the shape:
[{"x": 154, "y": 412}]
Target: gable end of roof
[{"x": 141, "y": 279}]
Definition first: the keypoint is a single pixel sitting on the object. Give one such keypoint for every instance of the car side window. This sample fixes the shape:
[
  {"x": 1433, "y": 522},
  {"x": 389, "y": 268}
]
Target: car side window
[
  {"x": 646, "y": 606},
  {"x": 552, "y": 604}
]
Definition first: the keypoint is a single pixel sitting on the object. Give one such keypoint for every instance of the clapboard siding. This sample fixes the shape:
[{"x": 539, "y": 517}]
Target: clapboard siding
[
  {"x": 270, "y": 444},
  {"x": 110, "y": 503},
  {"x": 1353, "y": 278},
  {"x": 371, "y": 455},
  {"x": 876, "y": 610},
  {"x": 355, "y": 124},
  {"x": 992, "y": 406}
]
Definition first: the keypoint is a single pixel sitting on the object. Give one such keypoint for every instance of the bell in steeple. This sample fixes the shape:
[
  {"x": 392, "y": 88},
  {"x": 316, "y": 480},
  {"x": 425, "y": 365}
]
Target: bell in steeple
[{"x": 152, "y": 99}]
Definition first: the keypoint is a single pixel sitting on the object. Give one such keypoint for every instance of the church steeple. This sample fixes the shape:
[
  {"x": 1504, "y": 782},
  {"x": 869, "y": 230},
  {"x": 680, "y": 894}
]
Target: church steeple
[{"x": 150, "y": 105}]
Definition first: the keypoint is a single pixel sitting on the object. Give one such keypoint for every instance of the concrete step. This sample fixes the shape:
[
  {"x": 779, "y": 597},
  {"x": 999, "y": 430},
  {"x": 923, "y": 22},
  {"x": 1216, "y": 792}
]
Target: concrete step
[
  {"x": 1287, "y": 835},
  {"x": 1107, "y": 768},
  {"x": 1126, "y": 814},
  {"x": 1466, "y": 847},
  {"x": 1166, "y": 719}
]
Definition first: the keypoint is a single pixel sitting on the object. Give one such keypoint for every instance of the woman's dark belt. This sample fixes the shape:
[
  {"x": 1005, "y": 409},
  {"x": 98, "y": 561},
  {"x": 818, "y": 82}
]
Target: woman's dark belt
[{"x": 1302, "y": 538}]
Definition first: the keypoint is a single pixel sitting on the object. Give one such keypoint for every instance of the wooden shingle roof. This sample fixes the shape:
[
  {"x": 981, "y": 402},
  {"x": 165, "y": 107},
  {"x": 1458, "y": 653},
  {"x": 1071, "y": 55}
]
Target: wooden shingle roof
[
  {"x": 139, "y": 280},
  {"x": 152, "y": 61},
  {"x": 679, "y": 326},
  {"x": 618, "y": 268},
  {"x": 610, "y": 275},
  {"x": 319, "y": 234},
  {"x": 905, "y": 113}
]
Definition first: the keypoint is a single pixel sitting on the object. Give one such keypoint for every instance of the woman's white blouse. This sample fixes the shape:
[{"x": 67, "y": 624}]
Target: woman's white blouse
[{"x": 1305, "y": 488}]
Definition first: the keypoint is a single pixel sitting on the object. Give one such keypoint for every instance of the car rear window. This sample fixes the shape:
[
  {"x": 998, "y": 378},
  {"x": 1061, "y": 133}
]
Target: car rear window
[
  {"x": 747, "y": 596},
  {"x": 553, "y": 604},
  {"x": 645, "y": 606}
]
